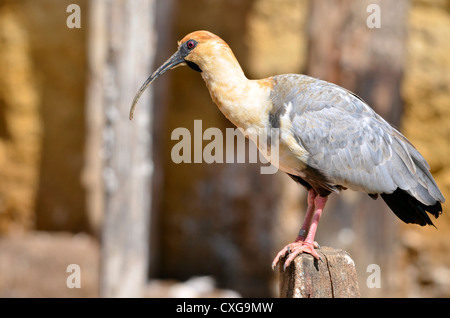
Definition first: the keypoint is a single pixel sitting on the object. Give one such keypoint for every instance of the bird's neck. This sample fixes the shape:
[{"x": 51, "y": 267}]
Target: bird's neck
[{"x": 244, "y": 102}]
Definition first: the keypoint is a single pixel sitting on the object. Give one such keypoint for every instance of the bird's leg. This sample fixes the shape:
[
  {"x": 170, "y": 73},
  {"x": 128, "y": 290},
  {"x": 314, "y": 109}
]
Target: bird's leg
[
  {"x": 303, "y": 231},
  {"x": 308, "y": 216},
  {"x": 309, "y": 241},
  {"x": 307, "y": 245}
]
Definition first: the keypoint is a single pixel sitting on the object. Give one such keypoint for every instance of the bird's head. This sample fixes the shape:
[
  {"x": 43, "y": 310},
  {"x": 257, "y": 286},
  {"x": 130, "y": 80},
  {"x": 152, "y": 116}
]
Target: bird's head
[{"x": 197, "y": 49}]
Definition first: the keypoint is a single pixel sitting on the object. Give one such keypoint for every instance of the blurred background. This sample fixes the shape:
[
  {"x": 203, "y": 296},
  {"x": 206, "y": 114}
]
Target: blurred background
[{"x": 81, "y": 184}]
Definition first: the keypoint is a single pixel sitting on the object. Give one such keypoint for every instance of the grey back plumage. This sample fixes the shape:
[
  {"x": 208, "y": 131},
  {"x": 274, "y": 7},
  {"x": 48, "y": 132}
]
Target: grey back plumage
[{"x": 348, "y": 143}]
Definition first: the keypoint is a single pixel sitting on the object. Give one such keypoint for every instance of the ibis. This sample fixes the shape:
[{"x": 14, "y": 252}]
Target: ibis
[{"x": 329, "y": 138}]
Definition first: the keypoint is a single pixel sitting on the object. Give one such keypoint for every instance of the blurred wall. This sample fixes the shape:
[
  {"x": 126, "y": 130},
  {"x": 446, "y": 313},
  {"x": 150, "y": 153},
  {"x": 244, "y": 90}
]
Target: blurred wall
[
  {"x": 426, "y": 94},
  {"x": 43, "y": 82},
  {"x": 20, "y": 122}
]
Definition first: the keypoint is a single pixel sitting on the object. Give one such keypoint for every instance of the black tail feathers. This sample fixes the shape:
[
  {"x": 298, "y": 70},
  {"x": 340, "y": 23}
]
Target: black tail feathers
[{"x": 409, "y": 209}]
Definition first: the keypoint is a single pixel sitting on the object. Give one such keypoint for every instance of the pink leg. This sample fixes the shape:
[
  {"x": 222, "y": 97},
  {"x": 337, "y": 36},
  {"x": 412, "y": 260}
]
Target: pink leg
[
  {"x": 308, "y": 216},
  {"x": 306, "y": 245},
  {"x": 320, "y": 205},
  {"x": 303, "y": 231}
]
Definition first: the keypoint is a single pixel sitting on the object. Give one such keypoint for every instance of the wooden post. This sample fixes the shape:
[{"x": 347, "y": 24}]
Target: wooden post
[
  {"x": 121, "y": 54},
  {"x": 332, "y": 277}
]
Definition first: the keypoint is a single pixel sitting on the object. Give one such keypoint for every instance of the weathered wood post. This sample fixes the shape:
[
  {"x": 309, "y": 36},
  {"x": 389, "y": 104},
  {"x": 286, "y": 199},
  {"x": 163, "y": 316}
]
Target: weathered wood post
[
  {"x": 122, "y": 51},
  {"x": 332, "y": 277}
]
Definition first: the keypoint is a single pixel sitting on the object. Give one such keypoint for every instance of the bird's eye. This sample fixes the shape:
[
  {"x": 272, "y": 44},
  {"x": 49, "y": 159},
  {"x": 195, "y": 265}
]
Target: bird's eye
[{"x": 191, "y": 44}]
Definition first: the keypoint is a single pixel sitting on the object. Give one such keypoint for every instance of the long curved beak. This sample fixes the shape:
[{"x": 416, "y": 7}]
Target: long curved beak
[{"x": 175, "y": 60}]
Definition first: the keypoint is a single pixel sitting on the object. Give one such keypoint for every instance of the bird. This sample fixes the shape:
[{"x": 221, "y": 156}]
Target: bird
[{"x": 329, "y": 139}]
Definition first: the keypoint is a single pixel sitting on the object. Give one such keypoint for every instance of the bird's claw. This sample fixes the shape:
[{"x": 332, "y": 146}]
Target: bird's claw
[{"x": 292, "y": 250}]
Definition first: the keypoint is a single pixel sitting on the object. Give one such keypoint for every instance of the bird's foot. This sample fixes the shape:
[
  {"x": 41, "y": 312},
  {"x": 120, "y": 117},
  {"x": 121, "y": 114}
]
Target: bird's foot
[{"x": 293, "y": 249}]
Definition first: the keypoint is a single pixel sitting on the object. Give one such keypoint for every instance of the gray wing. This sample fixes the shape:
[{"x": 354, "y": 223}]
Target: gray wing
[{"x": 351, "y": 145}]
